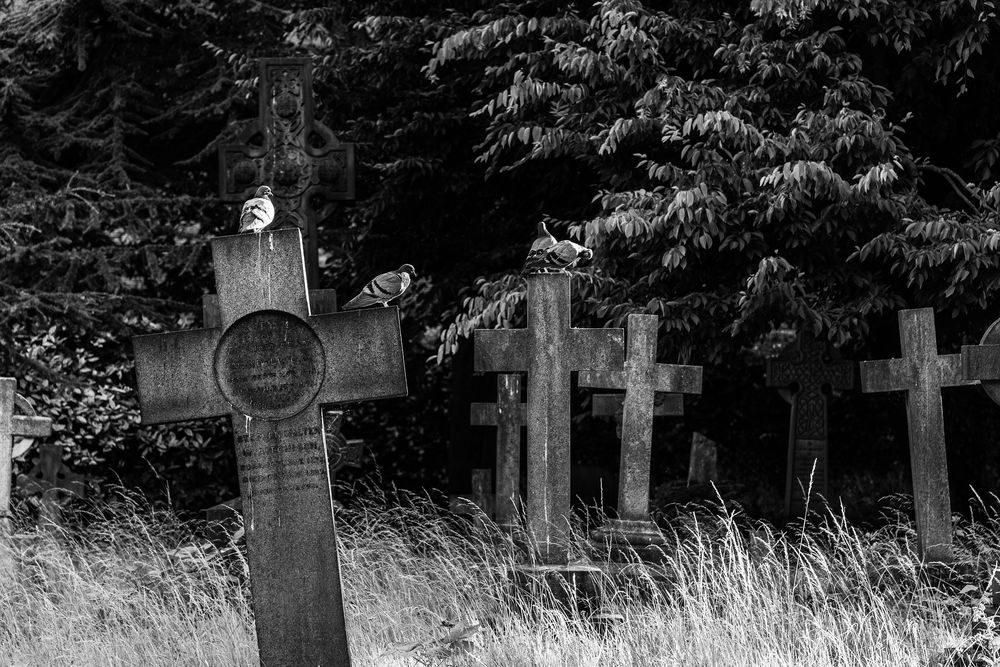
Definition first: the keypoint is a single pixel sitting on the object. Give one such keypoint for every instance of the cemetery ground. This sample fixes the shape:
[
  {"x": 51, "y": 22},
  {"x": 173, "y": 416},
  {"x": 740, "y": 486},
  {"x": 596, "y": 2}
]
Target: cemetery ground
[{"x": 137, "y": 586}]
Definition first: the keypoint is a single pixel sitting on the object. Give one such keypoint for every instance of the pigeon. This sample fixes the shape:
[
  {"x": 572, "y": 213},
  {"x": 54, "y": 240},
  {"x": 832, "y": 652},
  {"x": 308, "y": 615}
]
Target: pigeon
[
  {"x": 258, "y": 213},
  {"x": 550, "y": 256},
  {"x": 383, "y": 288},
  {"x": 535, "y": 256}
]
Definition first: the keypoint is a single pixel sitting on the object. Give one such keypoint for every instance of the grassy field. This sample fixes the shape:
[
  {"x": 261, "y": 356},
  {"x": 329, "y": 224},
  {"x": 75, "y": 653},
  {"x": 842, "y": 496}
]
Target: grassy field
[{"x": 423, "y": 589}]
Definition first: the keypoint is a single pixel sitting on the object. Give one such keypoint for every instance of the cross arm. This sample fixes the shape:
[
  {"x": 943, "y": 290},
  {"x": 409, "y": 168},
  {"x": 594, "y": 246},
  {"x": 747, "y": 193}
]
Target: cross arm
[
  {"x": 597, "y": 349},
  {"x": 364, "y": 355},
  {"x": 31, "y": 427},
  {"x": 885, "y": 375},
  {"x": 175, "y": 377},
  {"x": 678, "y": 379},
  {"x": 950, "y": 368},
  {"x": 602, "y": 379},
  {"x": 504, "y": 350},
  {"x": 483, "y": 414},
  {"x": 981, "y": 362}
]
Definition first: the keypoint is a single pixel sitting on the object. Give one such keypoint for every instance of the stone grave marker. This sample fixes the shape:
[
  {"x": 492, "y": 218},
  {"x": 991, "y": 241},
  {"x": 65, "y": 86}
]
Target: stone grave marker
[
  {"x": 508, "y": 414},
  {"x": 921, "y": 372},
  {"x": 14, "y": 425},
  {"x": 288, "y": 149},
  {"x": 53, "y": 482},
  {"x": 808, "y": 367},
  {"x": 549, "y": 350},
  {"x": 702, "y": 467},
  {"x": 269, "y": 367},
  {"x": 641, "y": 378},
  {"x": 613, "y": 405}
]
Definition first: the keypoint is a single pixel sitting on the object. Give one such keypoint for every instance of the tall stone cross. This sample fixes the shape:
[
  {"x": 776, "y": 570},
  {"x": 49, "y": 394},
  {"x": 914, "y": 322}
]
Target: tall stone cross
[
  {"x": 25, "y": 425},
  {"x": 288, "y": 149},
  {"x": 808, "y": 370},
  {"x": 269, "y": 366},
  {"x": 549, "y": 349},
  {"x": 508, "y": 414},
  {"x": 641, "y": 378},
  {"x": 921, "y": 373}
]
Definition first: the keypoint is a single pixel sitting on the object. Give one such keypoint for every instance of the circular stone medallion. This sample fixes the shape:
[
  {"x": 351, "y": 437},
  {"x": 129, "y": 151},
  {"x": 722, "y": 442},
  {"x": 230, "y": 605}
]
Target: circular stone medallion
[{"x": 269, "y": 365}]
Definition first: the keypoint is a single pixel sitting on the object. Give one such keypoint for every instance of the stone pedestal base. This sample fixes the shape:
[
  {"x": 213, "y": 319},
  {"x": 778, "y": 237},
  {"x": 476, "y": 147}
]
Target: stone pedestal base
[
  {"x": 624, "y": 535},
  {"x": 574, "y": 587}
]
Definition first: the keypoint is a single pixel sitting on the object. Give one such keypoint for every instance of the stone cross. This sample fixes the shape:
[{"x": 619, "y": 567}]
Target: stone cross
[
  {"x": 921, "y": 373},
  {"x": 549, "y": 349},
  {"x": 641, "y": 378},
  {"x": 809, "y": 370},
  {"x": 341, "y": 452},
  {"x": 288, "y": 149},
  {"x": 11, "y": 426},
  {"x": 613, "y": 405},
  {"x": 508, "y": 414},
  {"x": 269, "y": 367},
  {"x": 52, "y": 481},
  {"x": 702, "y": 467}
]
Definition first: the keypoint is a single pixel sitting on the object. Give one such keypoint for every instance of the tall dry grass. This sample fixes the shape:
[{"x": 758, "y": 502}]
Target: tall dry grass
[{"x": 423, "y": 588}]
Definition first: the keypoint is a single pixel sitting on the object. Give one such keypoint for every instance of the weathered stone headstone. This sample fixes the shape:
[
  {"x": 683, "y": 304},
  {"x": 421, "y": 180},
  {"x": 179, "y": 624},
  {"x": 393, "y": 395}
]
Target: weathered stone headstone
[
  {"x": 508, "y": 414},
  {"x": 807, "y": 366},
  {"x": 53, "y": 482},
  {"x": 270, "y": 367},
  {"x": 549, "y": 349},
  {"x": 287, "y": 148},
  {"x": 702, "y": 467},
  {"x": 641, "y": 378},
  {"x": 613, "y": 405},
  {"x": 14, "y": 425},
  {"x": 921, "y": 373}
]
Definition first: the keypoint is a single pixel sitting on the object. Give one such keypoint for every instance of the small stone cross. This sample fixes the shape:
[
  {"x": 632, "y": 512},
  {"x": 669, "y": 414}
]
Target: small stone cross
[
  {"x": 288, "y": 149},
  {"x": 11, "y": 426},
  {"x": 270, "y": 367},
  {"x": 921, "y": 372},
  {"x": 549, "y": 349},
  {"x": 53, "y": 481},
  {"x": 341, "y": 452},
  {"x": 641, "y": 378},
  {"x": 808, "y": 368},
  {"x": 508, "y": 414}
]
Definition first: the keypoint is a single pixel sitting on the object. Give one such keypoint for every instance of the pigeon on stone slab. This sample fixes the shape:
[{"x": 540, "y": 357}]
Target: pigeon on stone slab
[
  {"x": 383, "y": 288},
  {"x": 258, "y": 212},
  {"x": 536, "y": 254},
  {"x": 550, "y": 256}
]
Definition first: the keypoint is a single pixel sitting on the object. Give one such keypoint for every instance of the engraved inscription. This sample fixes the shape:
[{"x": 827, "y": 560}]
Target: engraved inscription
[
  {"x": 269, "y": 365},
  {"x": 286, "y": 459}
]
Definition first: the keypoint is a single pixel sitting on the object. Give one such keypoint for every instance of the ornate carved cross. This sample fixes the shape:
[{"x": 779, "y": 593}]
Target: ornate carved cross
[
  {"x": 288, "y": 149},
  {"x": 807, "y": 367}
]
